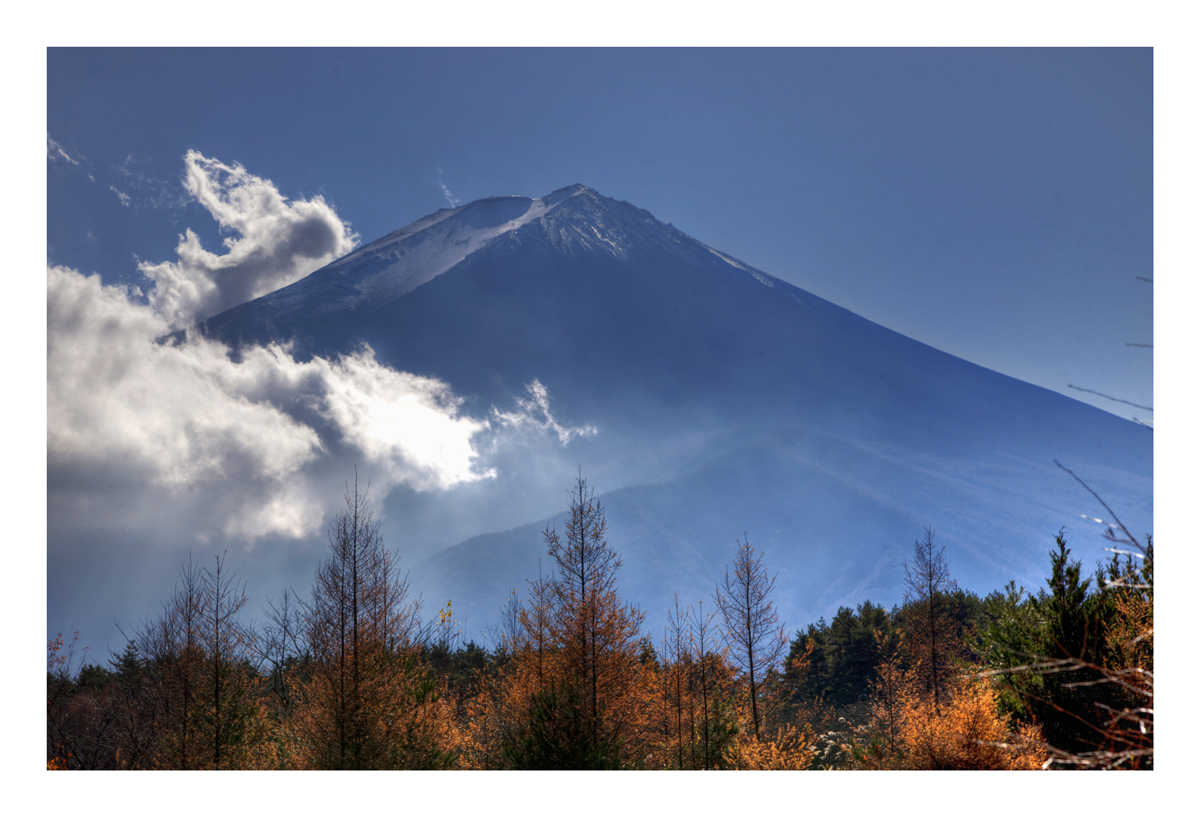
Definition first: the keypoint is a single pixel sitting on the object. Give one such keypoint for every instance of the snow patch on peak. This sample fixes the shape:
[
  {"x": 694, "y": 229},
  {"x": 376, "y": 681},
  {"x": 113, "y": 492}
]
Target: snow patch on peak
[
  {"x": 573, "y": 220},
  {"x": 761, "y": 277},
  {"x": 400, "y": 262},
  {"x": 564, "y": 193}
]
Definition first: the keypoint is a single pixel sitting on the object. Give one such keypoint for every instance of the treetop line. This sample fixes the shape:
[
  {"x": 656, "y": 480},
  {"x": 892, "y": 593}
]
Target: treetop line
[{"x": 353, "y": 678}]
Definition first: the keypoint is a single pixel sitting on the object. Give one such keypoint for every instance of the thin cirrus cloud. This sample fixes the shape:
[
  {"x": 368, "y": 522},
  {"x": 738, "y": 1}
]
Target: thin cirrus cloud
[
  {"x": 450, "y": 197},
  {"x": 270, "y": 242},
  {"x": 259, "y": 437},
  {"x": 55, "y": 152}
]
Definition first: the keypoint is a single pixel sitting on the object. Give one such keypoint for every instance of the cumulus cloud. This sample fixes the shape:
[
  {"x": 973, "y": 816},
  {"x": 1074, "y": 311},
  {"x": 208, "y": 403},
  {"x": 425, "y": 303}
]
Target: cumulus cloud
[
  {"x": 186, "y": 416},
  {"x": 175, "y": 416},
  {"x": 409, "y": 425},
  {"x": 124, "y": 197},
  {"x": 534, "y": 413},
  {"x": 270, "y": 242}
]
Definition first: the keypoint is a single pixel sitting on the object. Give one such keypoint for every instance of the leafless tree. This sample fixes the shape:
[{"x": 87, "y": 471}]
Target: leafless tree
[
  {"x": 677, "y": 652},
  {"x": 702, "y": 627}
]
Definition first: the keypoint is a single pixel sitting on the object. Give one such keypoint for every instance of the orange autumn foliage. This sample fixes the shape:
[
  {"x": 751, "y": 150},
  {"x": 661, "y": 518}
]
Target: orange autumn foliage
[{"x": 908, "y": 730}]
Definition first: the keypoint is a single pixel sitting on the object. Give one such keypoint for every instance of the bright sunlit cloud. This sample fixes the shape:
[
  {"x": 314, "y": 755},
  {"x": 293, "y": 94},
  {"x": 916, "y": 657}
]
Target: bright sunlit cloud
[
  {"x": 270, "y": 242},
  {"x": 407, "y": 424},
  {"x": 534, "y": 413},
  {"x": 186, "y": 416}
]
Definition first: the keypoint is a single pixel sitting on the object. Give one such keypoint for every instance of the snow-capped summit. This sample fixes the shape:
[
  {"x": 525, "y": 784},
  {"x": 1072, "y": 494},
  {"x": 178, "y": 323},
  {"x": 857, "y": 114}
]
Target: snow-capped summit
[{"x": 571, "y": 221}]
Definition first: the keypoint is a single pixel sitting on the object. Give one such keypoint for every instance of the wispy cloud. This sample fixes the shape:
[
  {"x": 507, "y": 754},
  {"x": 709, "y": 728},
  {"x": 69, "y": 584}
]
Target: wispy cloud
[
  {"x": 124, "y": 197},
  {"x": 454, "y": 202},
  {"x": 55, "y": 152},
  {"x": 270, "y": 242},
  {"x": 534, "y": 413},
  {"x": 149, "y": 190}
]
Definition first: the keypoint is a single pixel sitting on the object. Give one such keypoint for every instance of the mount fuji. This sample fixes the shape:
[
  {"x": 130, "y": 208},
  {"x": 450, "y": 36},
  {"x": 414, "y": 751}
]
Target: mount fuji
[{"x": 725, "y": 403}]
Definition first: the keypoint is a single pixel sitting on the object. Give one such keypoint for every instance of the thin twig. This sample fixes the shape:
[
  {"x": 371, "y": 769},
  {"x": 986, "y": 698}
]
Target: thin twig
[
  {"x": 1109, "y": 397},
  {"x": 1132, "y": 540}
]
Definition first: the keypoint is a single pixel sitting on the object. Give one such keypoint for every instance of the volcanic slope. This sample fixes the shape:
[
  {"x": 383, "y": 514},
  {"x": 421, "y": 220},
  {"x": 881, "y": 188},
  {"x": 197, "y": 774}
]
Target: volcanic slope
[{"x": 727, "y": 402}]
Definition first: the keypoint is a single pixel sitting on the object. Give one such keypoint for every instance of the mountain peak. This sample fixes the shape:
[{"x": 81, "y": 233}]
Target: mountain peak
[
  {"x": 571, "y": 222},
  {"x": 567, "y": 192}
]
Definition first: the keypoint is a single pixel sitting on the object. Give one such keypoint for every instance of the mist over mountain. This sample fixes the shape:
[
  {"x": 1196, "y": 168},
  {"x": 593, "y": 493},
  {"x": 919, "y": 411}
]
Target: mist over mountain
[{"x": 705, "y": 400}]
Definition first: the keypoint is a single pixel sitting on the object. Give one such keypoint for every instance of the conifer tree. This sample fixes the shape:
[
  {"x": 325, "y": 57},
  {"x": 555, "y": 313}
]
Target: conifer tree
[
  {"x": 366, "y": 703},
  {"x": 575, "y": 683},
  {"x": 227, "y": 719},
  {"x": 932, "y": 635},
  {"x": 752, "y": 630},
  {"x": 597, "y": 633}
]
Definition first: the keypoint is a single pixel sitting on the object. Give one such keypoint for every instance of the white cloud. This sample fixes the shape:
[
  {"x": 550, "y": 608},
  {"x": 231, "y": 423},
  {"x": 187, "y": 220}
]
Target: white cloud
[
  {"x": 534, "y": 413},
  {"x": 55, "y": 152},
  {"x": 449, "y": 196},
  {"x": 124, "y": 197},
  {"x": 243, "y": 437},
  {"x": 270, "y": 243},
  {"x": 408, "y": 424}
]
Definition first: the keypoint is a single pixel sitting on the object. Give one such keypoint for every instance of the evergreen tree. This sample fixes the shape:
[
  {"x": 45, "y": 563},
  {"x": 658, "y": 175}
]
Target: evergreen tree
[{"x": 1057, "y": 655}]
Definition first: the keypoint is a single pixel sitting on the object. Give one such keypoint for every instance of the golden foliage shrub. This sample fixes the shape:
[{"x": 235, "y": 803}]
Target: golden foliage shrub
[{"x": 908, "y": 730}]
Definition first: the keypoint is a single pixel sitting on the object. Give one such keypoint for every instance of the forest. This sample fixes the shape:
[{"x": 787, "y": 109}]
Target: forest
[{"x": 354, "y": 677}]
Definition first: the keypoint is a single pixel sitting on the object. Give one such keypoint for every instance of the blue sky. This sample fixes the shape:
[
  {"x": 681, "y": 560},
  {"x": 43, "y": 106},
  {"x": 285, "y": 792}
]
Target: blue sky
[{"x": 994, "y": 203}]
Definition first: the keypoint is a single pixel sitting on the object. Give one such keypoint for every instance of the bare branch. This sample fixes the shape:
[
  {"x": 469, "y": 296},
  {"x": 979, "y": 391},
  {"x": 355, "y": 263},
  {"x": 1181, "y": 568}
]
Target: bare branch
[
  {"x": 1132, "y": 539},
  {"x": 1109, "y": 397}
]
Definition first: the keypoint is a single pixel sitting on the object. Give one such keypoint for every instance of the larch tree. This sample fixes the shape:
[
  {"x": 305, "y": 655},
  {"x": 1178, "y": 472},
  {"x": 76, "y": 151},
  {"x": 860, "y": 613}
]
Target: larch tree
[
  {"x": 677, "y": 651},
  {"x": 365, "y": 700},
  {"x": 228, "y": 709},
  {"x": 586, "y": 715},
  {"x": 751, "y": 626},
  {"x": 932, "y": 635},
  {"x": 171, "y": 647},
  {"x": 709, "y": 680}
]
